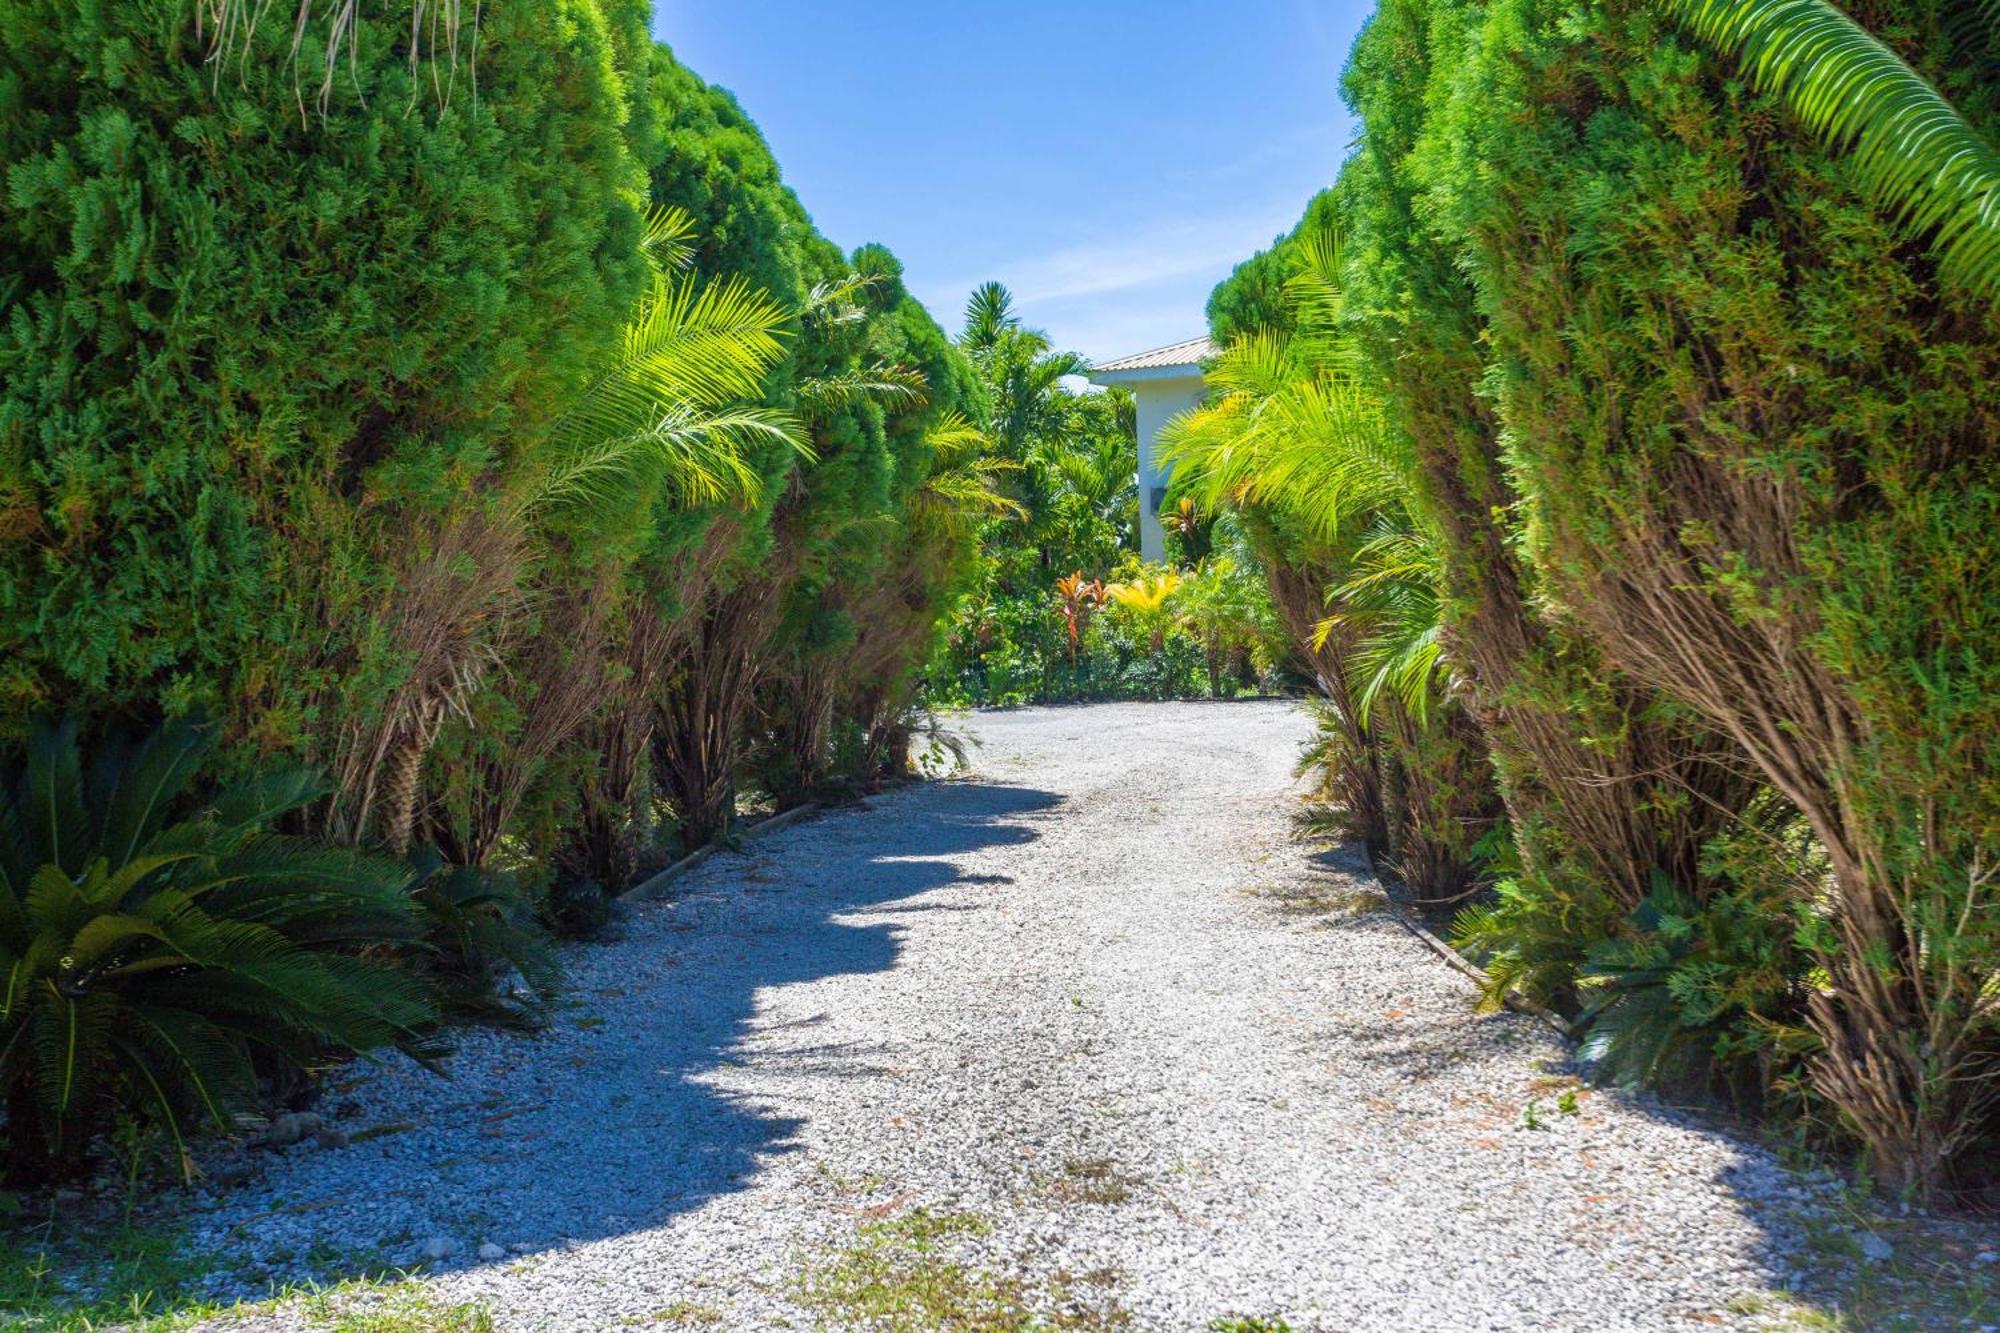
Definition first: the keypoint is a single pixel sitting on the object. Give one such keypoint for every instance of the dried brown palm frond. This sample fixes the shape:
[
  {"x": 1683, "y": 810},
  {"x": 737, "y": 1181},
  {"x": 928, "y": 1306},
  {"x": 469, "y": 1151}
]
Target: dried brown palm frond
[
  {"x": 557, "y": 666},
  {"x": 442, "y": 33},
  {"x": 449, "y": 611}
]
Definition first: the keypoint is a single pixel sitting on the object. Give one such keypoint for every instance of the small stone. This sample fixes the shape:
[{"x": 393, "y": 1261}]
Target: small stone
[
  {"x": 289, "y": 1129},
  {"x": 439, "y": 1248},
  {"x": 521, "y": 1247},
  {"x": 1986, "y": 1257},
  {"x": 232, "y": 1170},
  {"x": 489, "y": 1252},
  {"x": 1874, "y": 1249}
]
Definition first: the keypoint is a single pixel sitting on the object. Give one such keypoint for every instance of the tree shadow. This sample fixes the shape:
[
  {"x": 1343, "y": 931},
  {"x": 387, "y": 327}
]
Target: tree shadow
[
  {"x": 610, "y": 1122},
  {"x": 1810, "y": 1251}
]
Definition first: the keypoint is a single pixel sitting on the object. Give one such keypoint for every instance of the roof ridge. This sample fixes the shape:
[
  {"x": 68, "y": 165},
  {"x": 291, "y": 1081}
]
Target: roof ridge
[{"x": 1170, "y": 354}]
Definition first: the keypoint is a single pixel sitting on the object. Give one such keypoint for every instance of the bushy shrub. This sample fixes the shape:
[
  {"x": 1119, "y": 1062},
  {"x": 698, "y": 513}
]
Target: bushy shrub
[{"x": 1776, "y": 527}]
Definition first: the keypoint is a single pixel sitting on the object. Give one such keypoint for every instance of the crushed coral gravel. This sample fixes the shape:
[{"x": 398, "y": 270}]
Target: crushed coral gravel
[{"x": 1087, "y": 996}]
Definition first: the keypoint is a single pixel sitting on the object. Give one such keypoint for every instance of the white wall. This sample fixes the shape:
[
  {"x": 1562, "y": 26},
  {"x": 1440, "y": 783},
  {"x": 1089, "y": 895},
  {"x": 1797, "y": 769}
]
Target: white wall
[{"x": 1158, "y": 401}]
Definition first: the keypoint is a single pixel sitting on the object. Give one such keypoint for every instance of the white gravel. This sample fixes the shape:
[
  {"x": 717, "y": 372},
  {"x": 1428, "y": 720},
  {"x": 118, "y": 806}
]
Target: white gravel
[{"x": 1070, "y": 997}]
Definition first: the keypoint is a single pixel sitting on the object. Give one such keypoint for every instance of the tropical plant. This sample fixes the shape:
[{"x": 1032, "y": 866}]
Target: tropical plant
[
  {"x": 1295, "y": 435},
  {"x": 481, "y": 932},
  {"x": 1076, "y": 599},
  {"x": 1223, "y": 603},
  {"x": 1753, "y": 576},
  {"x": 1934, "y": 170},
  {"x": 1189, "y": 526},
  {"x": 355, "y": 362},
  {"x": 677, "y": 399},
  {"x": 1148, "y": 601},
  {"x": 1697, "y": 992},
  {"x": 154, "y": 940}
]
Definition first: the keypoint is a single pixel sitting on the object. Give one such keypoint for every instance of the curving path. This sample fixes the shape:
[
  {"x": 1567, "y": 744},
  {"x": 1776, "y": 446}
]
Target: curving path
[{"x": 1085, "y": 1039}]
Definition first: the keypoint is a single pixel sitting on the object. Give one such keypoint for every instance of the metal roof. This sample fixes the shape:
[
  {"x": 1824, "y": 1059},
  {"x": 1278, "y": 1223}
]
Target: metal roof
[{"x": 1189, "y": 353}]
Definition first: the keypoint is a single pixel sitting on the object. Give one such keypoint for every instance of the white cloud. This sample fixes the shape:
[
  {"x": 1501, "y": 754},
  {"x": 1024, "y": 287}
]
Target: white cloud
[
  {"x": 1146, "y": 253},
  {"x": 1124, "y": 291}
]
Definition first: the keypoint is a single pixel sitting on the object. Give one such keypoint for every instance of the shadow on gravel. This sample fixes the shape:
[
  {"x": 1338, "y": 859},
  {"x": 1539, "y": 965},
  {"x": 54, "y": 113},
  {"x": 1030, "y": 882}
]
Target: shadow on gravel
[
  {"x": 1823, "y": 1255},
  {"x": 609, "y": 1123}
]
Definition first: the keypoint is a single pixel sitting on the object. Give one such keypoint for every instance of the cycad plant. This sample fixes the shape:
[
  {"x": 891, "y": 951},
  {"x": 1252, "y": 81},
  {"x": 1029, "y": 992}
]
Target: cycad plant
[
  {"x": 151, "y": 941},
  {"x": 1915, "y": 152}
]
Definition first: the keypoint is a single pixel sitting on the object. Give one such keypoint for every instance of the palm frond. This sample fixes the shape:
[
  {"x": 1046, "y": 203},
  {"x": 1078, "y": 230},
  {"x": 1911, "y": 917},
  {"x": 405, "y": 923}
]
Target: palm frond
[
  {"x": 1392, "y": 596},
  {"x": 835, "y": 301},
  {"x": 668, "y": 238},
  {"x": 690, "y": 350},
  {"x": 960, "y": 492},
  {"x": 889, "y": 384},
  {"x": 989, "y": 312},
  {"x": 705, "y": 456},
  {"x": 1923, "y": 160}
]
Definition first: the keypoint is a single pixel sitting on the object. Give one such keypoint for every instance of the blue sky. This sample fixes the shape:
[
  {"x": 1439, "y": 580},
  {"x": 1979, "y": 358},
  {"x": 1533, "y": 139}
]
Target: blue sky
[{"x": 1108, "y": 160}]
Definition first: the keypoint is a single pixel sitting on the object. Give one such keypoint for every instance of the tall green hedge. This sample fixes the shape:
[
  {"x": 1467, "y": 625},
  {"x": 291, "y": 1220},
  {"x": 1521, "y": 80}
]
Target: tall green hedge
[
  {"x": 1742, "y": 449},
  {"x": 244, "y": 349}
]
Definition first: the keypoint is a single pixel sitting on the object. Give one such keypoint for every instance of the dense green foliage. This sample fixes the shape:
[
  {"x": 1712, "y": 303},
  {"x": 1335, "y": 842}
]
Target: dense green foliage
[
  {"x": 252, "y": 365},
  {"x": 1693, "y": 458},
  {"x": 1043, "y": 618},
  {"x": 492, "y": 432}
]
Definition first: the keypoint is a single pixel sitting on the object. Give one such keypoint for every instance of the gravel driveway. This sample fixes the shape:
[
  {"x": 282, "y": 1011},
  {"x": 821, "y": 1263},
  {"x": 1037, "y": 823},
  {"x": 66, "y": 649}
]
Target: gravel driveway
[{"x": 1085, "y": 1036}]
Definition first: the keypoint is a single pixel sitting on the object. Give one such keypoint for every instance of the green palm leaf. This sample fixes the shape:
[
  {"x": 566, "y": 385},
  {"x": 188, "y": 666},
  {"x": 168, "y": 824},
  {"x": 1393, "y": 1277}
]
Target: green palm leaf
[
  {"x": 1917, "y": 154},
  {"x": 690, "y": 351}
]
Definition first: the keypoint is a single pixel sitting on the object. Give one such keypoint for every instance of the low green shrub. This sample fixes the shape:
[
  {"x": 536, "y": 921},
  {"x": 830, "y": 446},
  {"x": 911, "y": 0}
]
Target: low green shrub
[{"x": 152, "y": 940}]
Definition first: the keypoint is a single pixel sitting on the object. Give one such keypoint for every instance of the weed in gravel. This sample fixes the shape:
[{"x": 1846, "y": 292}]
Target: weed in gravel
[
  {"x": 1091, "y": 1180},
  {"x": 681, "y": 1314},
  {"x": 1249, "y": 1324},
  {"x": 900, "y": 1276},
  {"x": 1318, "y": 899},
  {"x": 393, "y": 1307},
  {"x": 56, "y": 1279},
  {"x": 1932, "y": 1277}
]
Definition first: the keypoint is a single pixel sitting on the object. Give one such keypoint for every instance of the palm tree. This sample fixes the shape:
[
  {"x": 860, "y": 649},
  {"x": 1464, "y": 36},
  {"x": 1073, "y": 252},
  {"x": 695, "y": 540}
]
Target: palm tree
[
  {"x": 1294, "y": 431},
  {"x": 961, "y": 488},
  {"x": 1918, "y": 154},
  {"x": 673, "y": 410},
  {"x": 989, "y": 313}
]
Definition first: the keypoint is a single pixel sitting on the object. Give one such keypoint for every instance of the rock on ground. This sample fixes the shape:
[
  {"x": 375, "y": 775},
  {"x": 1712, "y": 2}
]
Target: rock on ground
[{"x": 1086, "y": 1035}]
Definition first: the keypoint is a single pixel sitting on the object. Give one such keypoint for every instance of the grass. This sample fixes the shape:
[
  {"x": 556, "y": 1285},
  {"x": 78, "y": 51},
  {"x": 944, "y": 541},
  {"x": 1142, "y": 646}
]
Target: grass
[
  {"x": 70, "y": 1277},
  {"x": 1321, "y": 899},
  {"x": 1930, "y": 1280},
  {"x": 1091, "y": 1180},
  {"x": 57, "y": 1278},
  {"x": 903, "y": 1275},
  {"x": 395, "y": 1307},
  {"x": 681, "y": 1314}
]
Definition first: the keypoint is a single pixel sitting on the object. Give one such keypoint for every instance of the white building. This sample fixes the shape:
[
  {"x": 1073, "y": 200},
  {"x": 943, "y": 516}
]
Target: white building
[{"x": 1164, "y": 382}]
